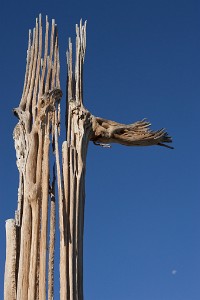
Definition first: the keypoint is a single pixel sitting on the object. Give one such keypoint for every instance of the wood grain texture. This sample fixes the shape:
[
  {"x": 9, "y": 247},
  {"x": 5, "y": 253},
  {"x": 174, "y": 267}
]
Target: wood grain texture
[
  {"x": 29, "y": 268},
  {"x": 11, "y": 257},
  {"x": 36, "y": 129}
]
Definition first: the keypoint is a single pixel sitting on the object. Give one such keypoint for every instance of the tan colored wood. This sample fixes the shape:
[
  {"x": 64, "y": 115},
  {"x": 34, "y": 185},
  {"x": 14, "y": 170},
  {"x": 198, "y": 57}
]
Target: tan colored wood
[
  {"x": 52, "y": 240},
  {"x": 40, "y": 102},
  {"x": 83, "y": 127},
  {"x": 79, "y": 130},
  {"x": 63, "y": 273},
  {"x": 37, "y": 129},
  {"x": 44, "y": 217},
  {"x": 136, "y": 134},
  {"x": 10, "y": 265}
]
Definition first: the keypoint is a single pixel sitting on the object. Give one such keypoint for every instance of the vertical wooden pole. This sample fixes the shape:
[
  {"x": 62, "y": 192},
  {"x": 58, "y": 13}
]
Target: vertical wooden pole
[
  {"x": 10, "y": 265},
  {"x": 39, "y": 116},
  {"x": 79, "y": 128}
]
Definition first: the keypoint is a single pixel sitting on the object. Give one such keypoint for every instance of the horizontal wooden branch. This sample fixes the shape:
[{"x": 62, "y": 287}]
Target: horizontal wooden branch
[{"x": 135, "y": 134}]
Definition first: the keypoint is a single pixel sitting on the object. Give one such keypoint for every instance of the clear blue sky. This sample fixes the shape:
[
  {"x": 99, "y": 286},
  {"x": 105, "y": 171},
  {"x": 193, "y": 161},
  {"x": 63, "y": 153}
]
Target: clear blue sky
[{"x": 142, "y": 226}]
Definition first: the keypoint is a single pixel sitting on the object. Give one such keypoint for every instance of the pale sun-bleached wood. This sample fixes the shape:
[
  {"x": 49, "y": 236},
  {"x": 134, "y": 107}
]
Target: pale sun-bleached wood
[
  {"x": 39, "y": 118},
  {"x": 32, "y": 147},
  {"x": 10, "y": 265},
  {"x": 52, "y": 239},
  {"x": 83, "y": 127},
  {"x": 44, "y": 216},
  {"x": 63, "y": 272},
  {"x": 79, "y": 129}
]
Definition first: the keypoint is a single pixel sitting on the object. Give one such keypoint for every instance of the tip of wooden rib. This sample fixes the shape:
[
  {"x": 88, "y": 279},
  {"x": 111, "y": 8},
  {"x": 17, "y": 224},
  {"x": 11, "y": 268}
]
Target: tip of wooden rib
[
  {"x": 40, "y": 19},
  {"x": 10, "y": 221}
]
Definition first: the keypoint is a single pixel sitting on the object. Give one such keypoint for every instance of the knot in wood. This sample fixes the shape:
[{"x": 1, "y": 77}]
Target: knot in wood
[{"x": 47, "y": 102}]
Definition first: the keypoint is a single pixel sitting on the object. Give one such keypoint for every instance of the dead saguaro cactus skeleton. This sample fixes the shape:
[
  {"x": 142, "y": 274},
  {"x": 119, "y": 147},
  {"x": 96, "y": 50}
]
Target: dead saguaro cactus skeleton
[
  {"x": 26, "y": 268},
  {"x": 39, "y": 116}
]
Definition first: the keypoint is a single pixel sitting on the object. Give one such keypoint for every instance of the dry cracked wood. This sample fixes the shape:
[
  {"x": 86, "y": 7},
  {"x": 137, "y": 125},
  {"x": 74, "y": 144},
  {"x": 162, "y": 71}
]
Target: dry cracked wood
[
  {"x": 135, "y": 134},
  {"x": 39, "y": 126},
  {"x": 83, "y": 127},
  {"x": 39, "y": 115}
]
